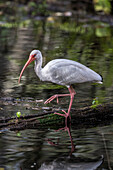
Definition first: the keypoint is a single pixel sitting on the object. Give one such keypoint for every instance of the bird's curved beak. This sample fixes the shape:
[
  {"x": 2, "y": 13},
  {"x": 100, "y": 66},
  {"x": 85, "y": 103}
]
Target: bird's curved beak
[{"x": 31, "y": 58}]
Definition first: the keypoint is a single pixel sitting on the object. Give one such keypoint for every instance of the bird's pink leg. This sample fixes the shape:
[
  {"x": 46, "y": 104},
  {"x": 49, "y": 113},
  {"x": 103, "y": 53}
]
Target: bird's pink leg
[{"x": 72, "y": 93}]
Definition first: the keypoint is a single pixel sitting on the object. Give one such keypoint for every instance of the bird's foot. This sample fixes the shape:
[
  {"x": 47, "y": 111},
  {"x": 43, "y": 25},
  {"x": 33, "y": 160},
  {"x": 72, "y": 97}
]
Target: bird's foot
[
  {"x": 51, "y": 98},
  {"x": 60, "y": 114},
  {"x": 66, "y": 115},
  {"x": 56, "y": 96}
]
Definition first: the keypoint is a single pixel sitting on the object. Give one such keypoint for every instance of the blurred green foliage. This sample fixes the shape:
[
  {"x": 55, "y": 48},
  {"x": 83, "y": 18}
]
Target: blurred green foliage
[
  {"x": 19, "y": 10},
  {"x": 38, "y": 9},
  {"x": 103, "y": 5}
]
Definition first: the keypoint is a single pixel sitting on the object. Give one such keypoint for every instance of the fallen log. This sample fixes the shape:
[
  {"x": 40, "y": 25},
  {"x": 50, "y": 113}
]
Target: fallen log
[{"x": 99, "y": 115}]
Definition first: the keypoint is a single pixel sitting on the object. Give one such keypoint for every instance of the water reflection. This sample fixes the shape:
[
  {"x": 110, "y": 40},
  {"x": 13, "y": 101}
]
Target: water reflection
[
  {"x": 63, "y": 163},
  {"x": 66, "y": 128},
  {"x": 30, "y": 148}
]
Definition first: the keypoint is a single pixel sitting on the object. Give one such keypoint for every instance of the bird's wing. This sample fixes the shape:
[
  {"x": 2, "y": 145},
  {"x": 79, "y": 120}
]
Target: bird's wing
[{"x": 67, "y": 72}]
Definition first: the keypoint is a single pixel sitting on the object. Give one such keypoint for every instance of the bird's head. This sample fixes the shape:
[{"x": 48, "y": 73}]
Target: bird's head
[{"x": 34, "y": 55}]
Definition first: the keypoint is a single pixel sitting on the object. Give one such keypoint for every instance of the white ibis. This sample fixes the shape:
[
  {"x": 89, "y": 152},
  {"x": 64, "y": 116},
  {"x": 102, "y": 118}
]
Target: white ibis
[{"x": 63, "y": 72}]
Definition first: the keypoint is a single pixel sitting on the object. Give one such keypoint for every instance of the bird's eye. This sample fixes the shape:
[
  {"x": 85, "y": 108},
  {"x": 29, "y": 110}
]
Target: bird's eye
[{"x": 34, "y": 55}]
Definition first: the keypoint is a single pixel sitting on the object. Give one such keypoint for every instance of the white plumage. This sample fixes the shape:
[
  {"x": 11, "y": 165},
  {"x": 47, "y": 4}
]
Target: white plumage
[{"x": 67, "y": 72}]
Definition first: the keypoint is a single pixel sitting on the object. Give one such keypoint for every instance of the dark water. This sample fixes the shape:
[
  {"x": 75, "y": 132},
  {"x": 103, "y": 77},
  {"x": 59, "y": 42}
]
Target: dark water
[
  {"x": 50, "y": 149},
  {"x": 90, "y": 43}
]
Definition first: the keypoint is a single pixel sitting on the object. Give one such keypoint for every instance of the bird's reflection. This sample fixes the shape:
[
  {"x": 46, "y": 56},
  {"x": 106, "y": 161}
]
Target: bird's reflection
[
  {"x": 71, "y": 161},
  {"x": 68, "y": 129}
]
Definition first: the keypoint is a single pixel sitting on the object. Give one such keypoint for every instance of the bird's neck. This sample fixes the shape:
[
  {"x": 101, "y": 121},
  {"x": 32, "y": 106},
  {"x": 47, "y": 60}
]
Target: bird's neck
[{"x": 38, "y": 67}]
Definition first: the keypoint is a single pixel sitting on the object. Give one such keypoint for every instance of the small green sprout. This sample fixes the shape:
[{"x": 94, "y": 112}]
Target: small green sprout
[
  {"x": 95, "y": 102},
  {"x": 18, "y": 114}
]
